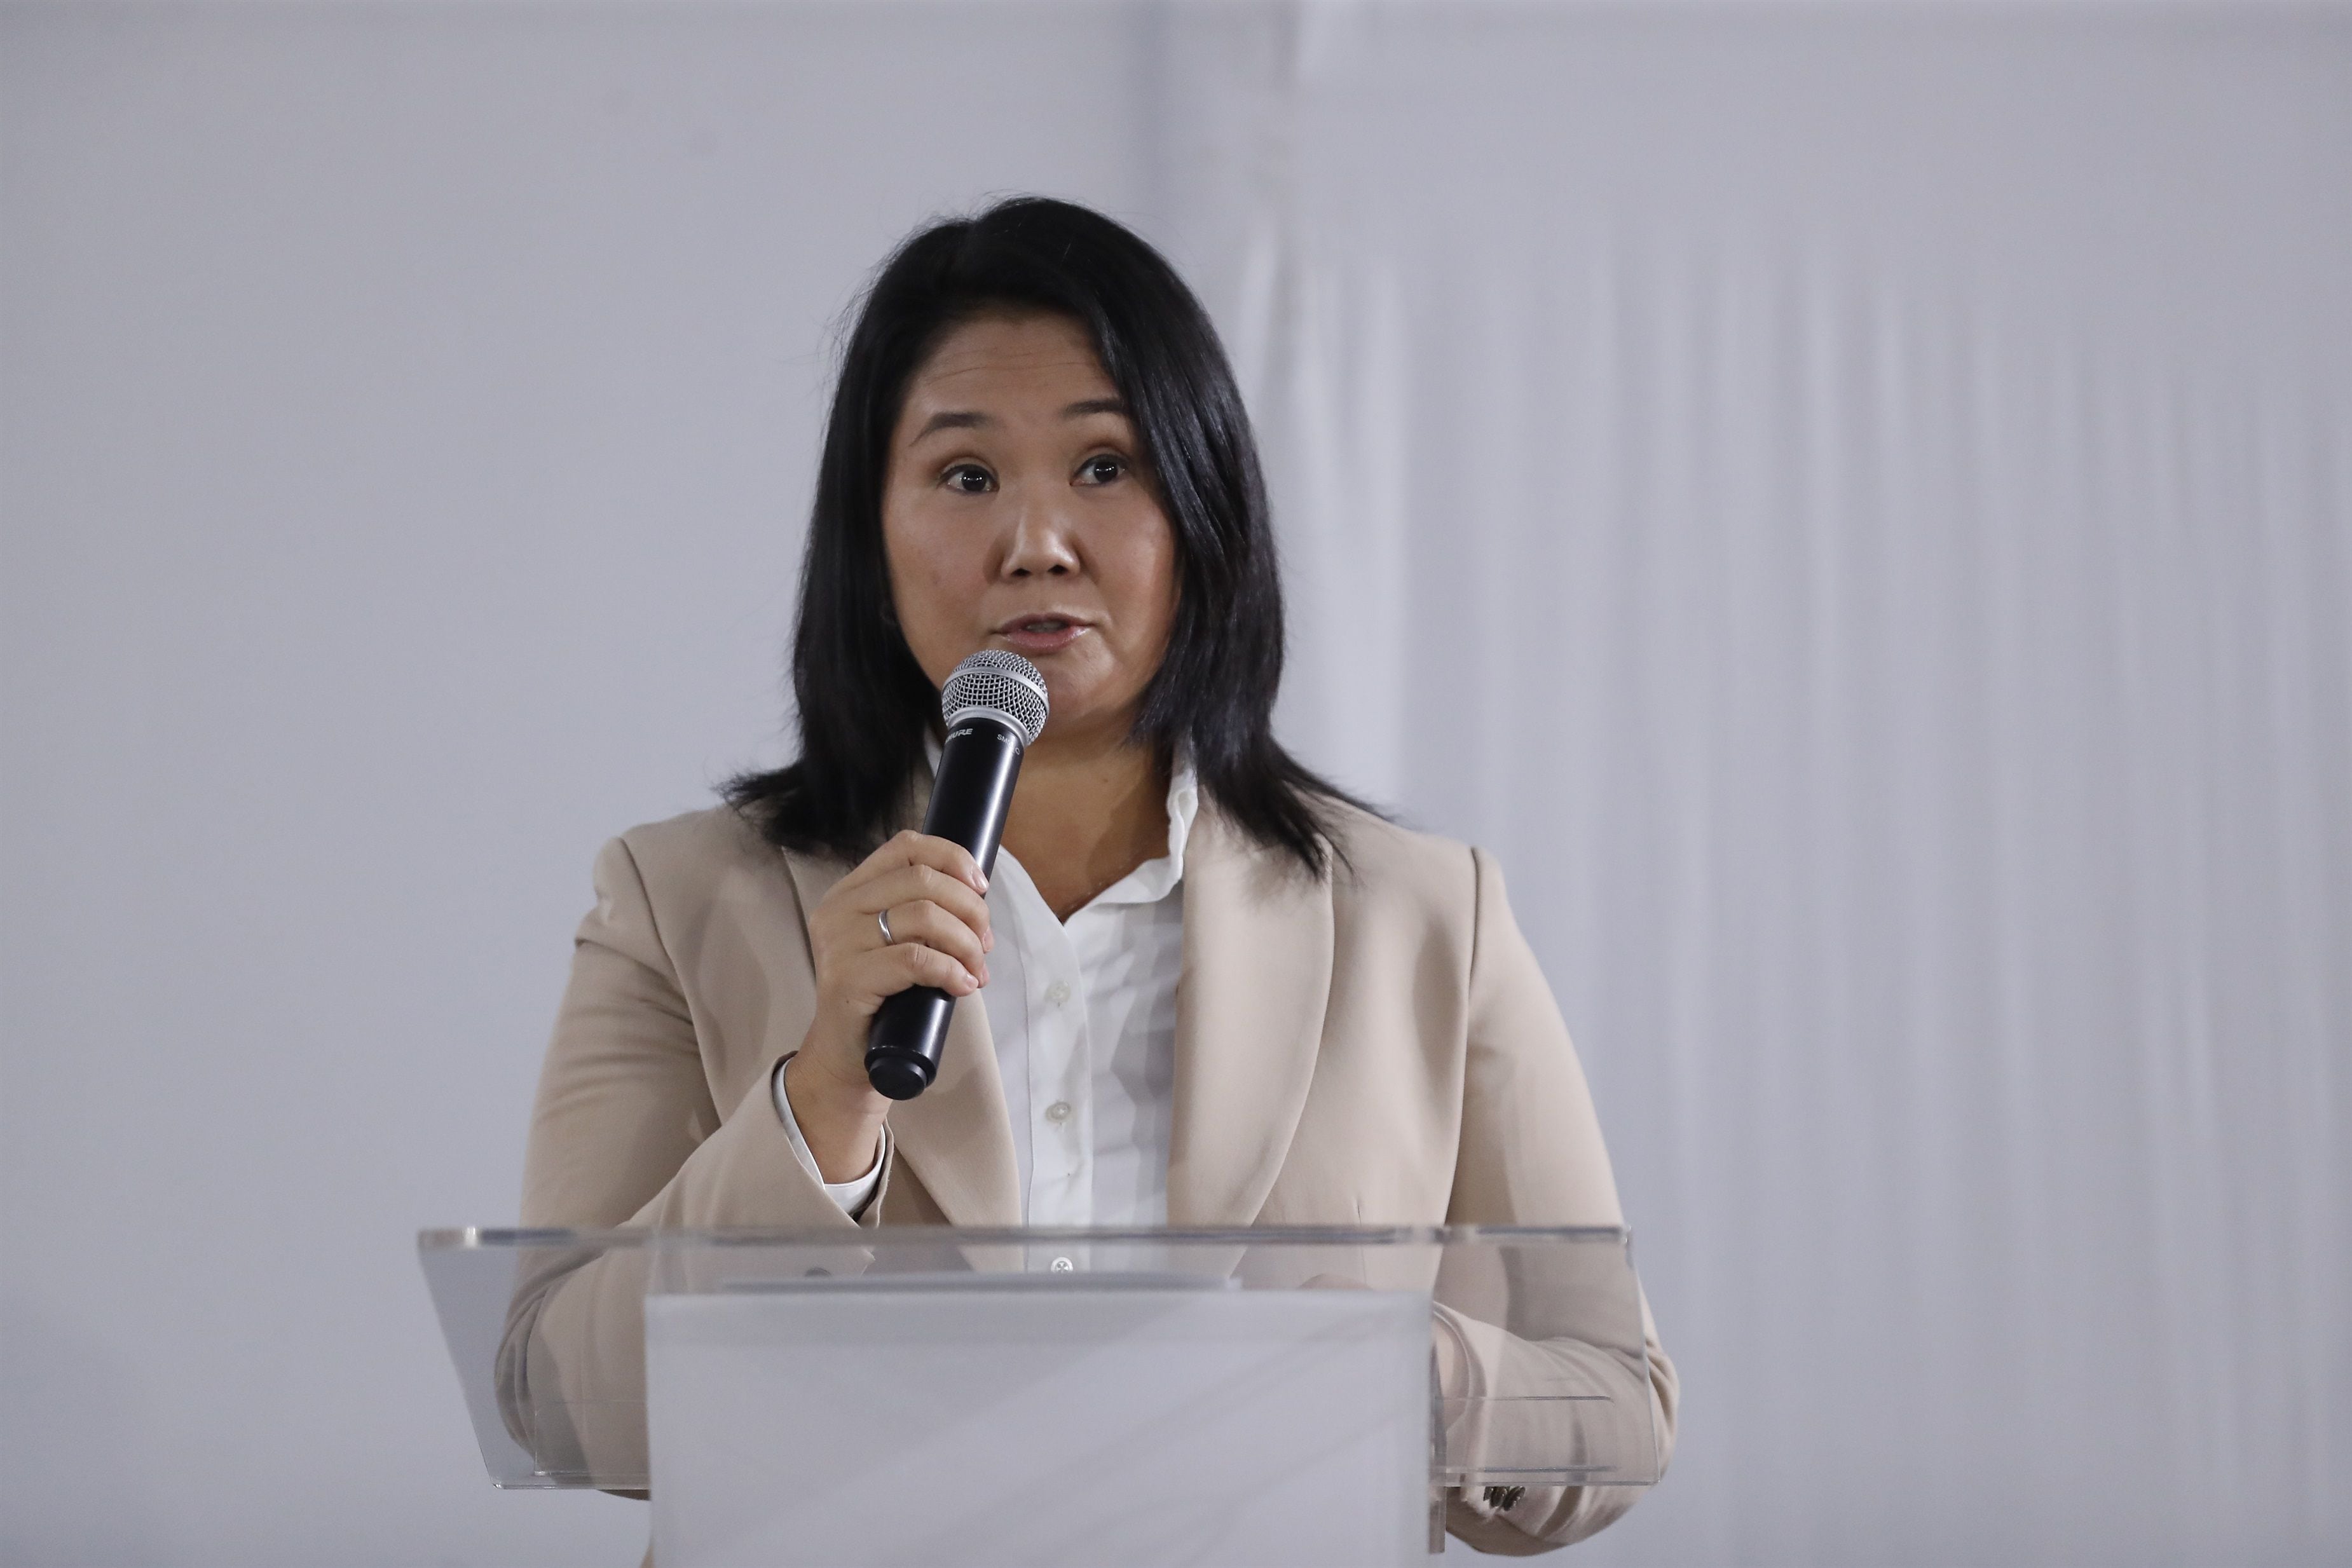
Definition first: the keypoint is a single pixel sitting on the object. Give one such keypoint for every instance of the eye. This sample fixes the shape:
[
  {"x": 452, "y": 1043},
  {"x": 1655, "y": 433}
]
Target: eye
[
  {"x": 1102, "y": 468},
  {"x": 969, "y": 479}
]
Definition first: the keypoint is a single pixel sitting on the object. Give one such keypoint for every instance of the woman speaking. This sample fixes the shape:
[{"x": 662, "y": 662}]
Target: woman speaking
[{"x": 1200, "y": 987}]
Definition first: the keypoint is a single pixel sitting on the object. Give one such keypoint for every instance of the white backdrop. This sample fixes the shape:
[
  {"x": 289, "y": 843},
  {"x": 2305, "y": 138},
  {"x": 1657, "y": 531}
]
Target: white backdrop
[{"x": 1851, "y": 504}]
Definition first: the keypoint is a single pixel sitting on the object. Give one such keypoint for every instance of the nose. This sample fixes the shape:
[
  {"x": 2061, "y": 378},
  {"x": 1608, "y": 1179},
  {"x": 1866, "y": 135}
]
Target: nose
[{"x": 1041, "y": 545}]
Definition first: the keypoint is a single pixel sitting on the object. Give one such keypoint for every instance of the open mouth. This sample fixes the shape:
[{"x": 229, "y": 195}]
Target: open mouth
[{"x": 1041, "y": 634}]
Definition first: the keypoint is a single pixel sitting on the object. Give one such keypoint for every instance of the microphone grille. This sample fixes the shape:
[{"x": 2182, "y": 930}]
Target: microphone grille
[{"x": 995, "y": 682}]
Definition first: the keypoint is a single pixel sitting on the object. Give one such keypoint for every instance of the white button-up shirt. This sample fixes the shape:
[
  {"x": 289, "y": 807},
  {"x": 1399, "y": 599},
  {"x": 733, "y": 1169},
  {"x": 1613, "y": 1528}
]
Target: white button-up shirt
[{"x": 1083, "y": 1013}]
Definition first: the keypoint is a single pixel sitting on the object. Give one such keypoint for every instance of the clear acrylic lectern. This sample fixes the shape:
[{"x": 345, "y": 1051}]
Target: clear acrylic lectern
[{"x": 919, "y": 1394}]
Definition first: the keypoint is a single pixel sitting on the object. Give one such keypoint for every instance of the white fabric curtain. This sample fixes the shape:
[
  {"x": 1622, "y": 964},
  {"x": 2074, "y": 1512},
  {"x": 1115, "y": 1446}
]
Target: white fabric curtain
[{"x": 1851, "y": 504}]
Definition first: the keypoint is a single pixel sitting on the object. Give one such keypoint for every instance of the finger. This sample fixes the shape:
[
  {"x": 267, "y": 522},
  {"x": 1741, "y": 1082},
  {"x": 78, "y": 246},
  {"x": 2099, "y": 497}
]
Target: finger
[
  {"x": 886, "y": 971},
  {"x": 947, "y": 855},
  {"x": 924, "y": 884},
  {"x": 911, "y": 849},
  {"x": 929, "y": 925}
]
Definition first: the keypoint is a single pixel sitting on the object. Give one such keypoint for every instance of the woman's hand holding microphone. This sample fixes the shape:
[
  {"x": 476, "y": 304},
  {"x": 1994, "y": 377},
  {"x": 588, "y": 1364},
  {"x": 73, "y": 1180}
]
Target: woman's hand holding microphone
[{"x": 911, "y": 913}]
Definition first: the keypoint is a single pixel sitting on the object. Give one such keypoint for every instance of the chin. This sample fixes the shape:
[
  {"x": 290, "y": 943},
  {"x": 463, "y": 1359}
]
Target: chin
[{"x": 1075, "y": 719}]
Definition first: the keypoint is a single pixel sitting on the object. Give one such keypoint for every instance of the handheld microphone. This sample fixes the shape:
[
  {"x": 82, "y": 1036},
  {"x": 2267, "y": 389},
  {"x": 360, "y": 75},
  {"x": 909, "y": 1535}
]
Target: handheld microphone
[{"x": 995, "y": 704}]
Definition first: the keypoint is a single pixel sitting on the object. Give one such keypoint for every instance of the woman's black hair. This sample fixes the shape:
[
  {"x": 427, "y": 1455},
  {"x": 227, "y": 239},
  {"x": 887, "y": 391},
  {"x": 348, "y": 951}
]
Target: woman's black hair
[{"x": 864, "y": 704}]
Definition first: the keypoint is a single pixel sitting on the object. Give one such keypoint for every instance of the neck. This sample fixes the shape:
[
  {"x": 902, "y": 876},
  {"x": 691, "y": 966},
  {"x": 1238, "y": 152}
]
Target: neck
[{"x": 1084, "y": 814}]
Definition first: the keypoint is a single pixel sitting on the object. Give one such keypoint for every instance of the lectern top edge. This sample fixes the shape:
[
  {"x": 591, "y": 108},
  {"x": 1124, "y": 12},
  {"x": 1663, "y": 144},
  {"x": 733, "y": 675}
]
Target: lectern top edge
[{"x": 471, "y": 1237}]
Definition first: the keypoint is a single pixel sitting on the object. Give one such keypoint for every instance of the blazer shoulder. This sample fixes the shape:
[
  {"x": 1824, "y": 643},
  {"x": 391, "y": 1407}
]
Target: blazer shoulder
[
  {"x": 1389, "y": 863},
  {"x": 697, "y": 845},
  {"x": 694, "y": 858},
  {"x": 704, "y": 873}
]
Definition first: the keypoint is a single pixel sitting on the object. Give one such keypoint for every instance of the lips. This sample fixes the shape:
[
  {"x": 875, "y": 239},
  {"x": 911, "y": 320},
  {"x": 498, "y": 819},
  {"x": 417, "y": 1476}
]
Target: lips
[{"x": 1045, "y": 632}]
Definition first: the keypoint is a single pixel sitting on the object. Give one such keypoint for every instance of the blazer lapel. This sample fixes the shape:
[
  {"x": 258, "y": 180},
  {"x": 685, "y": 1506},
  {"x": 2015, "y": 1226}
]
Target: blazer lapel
[
  {"x": 956, "y": 1135},
  {"x": 1249, "y": 1020}
]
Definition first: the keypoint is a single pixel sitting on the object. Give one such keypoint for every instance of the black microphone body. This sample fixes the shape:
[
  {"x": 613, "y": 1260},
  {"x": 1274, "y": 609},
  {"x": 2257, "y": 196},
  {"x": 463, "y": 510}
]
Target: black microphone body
[{"x": 972, "y": 790}]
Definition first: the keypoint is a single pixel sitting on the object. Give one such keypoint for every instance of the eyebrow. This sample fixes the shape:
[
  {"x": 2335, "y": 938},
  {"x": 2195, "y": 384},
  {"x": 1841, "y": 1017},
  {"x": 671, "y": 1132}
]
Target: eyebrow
[{"x": 961, "y": 419}]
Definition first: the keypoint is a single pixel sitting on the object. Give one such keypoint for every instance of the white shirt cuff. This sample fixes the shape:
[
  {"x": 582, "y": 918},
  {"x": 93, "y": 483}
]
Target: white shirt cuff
[{"x": 851, "y": 1196}]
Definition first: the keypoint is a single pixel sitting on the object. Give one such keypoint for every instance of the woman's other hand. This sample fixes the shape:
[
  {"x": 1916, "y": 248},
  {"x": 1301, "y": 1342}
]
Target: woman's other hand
[{"x": 930, "y": 892}]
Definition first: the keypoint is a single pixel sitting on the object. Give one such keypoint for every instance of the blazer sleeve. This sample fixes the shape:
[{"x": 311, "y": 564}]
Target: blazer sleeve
[
  {"x": 624, "y": 1134},
  {"x": 1531, "y": 1153}
]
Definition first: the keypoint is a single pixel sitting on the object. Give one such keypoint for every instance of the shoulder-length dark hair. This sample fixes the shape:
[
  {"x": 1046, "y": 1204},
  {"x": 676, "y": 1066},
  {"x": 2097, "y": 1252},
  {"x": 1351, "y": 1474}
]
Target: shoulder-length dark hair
[{"x": 864, "y": 704}]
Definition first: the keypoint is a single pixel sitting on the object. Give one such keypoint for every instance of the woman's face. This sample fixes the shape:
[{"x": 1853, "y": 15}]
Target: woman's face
[{"x": 1017, "y": 514}]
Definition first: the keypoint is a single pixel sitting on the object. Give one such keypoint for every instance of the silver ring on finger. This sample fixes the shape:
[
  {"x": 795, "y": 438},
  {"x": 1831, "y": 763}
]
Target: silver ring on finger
[{"x": 882, "y": 918}]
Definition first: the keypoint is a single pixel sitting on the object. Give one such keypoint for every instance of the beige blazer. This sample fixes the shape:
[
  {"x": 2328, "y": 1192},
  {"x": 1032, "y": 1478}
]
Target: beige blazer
[{"x": 1378, "y": 1046}]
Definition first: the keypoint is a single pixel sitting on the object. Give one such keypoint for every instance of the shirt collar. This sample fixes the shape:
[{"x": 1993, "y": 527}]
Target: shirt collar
[{"x": 1155, "y": 879}]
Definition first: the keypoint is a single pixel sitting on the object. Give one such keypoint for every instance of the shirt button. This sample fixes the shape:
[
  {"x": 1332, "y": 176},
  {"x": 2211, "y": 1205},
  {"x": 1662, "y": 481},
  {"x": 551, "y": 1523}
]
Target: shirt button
[
  {"x": 1058, "y": 1112},
  {"x": 1064, "y": 1266},
  {"x": 1057, "y": 993}
]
